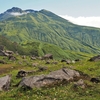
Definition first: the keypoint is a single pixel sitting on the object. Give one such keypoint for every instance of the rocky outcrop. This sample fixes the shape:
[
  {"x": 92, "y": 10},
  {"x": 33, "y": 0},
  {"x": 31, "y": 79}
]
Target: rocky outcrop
[
  {"x": 6, "y": 53},
  {"x": 47, "y": 56},
  {"x": 33, "y": 58},
  {"x": 79, "y": 83},
  {"x": 2, "y": 62},
  {"x": 42, "y": 69},
  {"x": 1, "y": 47},
  {"x": 95, "y": 80},
  {"x": 5, "y": 82},
  {"x": 23, "y": 73},
  {"x": 12, "y": 58},
  {"x": 2, "y": 53},
  {"x": 95, "y": 58},
  {"x": 54, "y": 77}
]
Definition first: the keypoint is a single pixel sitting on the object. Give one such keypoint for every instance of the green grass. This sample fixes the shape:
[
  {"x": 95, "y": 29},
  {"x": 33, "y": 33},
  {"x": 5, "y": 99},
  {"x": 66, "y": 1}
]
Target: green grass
[{"x": 56, "y": 92}]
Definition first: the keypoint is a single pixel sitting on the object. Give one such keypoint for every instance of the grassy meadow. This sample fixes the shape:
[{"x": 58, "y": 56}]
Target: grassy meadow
[{"x": 63, "y": 91}]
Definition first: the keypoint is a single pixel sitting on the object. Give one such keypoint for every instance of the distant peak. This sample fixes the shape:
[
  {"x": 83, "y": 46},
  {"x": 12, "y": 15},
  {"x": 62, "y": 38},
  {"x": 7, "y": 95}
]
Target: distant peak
[{"x": 15, "y": 9}]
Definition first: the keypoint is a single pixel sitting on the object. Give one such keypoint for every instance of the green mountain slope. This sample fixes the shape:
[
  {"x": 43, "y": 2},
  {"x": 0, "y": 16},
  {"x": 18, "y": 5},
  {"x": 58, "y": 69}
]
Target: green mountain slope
[
  {"x": 13, "y": 46},
  {"x": 40, "y": 48},
  {"x": 47, "y": 27}
]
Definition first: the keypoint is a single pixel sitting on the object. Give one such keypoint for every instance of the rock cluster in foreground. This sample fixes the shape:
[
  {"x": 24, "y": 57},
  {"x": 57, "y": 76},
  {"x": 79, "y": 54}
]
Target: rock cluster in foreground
[{"x": 52, "y": 78}]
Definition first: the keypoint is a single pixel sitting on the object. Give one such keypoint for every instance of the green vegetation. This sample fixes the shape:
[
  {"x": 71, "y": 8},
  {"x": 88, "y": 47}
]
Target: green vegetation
[
  {"x": 38, "y": 48},
  {"x": 45, "y": 26},
  {"x": 13, "y": 46},
  {"x": 64, "y": 91},
  {"x": 44, "y": 32}
]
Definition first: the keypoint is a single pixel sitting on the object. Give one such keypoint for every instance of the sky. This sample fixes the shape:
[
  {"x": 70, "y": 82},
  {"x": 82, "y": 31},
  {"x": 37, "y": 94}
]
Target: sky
[{"x": 81, "y": 12}]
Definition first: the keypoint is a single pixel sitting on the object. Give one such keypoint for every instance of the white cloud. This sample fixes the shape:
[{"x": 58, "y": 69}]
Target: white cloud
[
  {"x": 17, "y": 13},
  {"x": 86, "y": 21}
]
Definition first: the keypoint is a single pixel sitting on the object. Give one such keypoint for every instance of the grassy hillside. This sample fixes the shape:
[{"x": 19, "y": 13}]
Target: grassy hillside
[
  {"x": 41, "y": 48},
  {"x": 13, "y": 46},
  {"x": 47, "y": 27},
  {"x": 64, "y": 91},
  {"x": 34, "y": 48}
]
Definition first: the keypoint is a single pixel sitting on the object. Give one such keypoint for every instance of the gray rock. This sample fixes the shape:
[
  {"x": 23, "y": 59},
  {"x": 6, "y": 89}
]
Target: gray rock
[
  {"x": 33, "y": 58},
  {"x": 95, "y": 58},
  {"x": 68, "y": 61},
  {"x": 42, "y": 68},
  {"x": 48, "y": 62},
  {"x": 9, "y": 52},
  {"x": 80, "y": 83},
  {"x": 1, "y": 47},
  {"x": 55, "y": 62},
  {"x": 6, "y": 53},
  {"x": 12, "y": 58},
  {"x": 95, "y": 80},
  {"x": 52, "y": 78},
  {"x": 23, "y": 73},
  {"x": 2, "y": 62},
  {"x": 35, "y": 64},
  {"x": 5, "y": 82},
  {"x": 47, "y": 56},
  {"x": 2, "y": 53}
]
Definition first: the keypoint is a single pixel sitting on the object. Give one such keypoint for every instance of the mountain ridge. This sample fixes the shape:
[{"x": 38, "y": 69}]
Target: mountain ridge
[{"x": 48, "y": 27}]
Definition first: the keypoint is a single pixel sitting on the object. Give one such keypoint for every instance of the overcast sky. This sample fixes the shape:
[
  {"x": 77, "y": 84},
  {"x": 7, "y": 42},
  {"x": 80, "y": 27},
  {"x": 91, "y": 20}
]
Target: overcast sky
[{"x": 82, "y": 12}]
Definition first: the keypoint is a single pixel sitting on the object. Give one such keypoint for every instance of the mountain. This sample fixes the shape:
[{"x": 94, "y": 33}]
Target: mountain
[{"x": 26, "y": 26}]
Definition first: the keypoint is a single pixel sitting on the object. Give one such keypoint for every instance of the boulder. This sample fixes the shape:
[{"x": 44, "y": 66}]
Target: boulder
[
  {"x": 95, "y": 58},
  {"x": 63, "y": 60},
  {"x": 23, "y": 73},
  {"x": 95, "y": 80},
  {"x": 2, "y": 53},
  {"x": 1, "y": 47},
  {"x": 2, "y": 62},
  {"x": 23, "y": 57},
  {"x": 5, "y": 82},
  {"x": 68, "y": 61},
  {"x": 9, "y": 52},
  {"x": 50, "y": 79},
  {"x": 35, "y": 64},
  {"x": 39, "y": 58},
  {"x": 42, "y": 68},
  {"x": 6, "y": 53},
  {"x": 33, "y": 58},
  {"x": 47, "y": 56},
  {"x": 55, "y": 62},
  {"x": 79, "y": 83},
  {"x": 73, "y": 62},
  {"x": 12, "y": 58},
  {"x": 48, "y": 62},
  {"x": 77, "y": 60}
]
